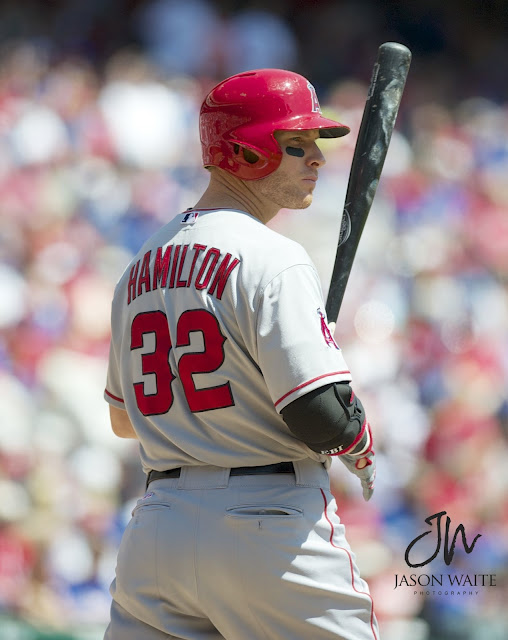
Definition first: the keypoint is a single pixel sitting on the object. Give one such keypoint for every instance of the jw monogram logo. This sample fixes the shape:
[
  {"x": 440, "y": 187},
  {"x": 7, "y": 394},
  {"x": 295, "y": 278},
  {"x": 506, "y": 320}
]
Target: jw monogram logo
[{"x": 448, "y": 550}]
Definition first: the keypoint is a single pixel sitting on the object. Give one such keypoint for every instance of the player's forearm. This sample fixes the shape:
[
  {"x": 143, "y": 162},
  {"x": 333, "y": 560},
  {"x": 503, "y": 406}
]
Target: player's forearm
[{"x": 121, "y": 424}]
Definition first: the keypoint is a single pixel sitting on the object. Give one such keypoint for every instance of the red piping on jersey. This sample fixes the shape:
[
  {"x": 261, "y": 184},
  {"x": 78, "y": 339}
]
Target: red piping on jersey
[
  {"x": 114, "y": 397},
  {"x": 212, "y": 209},
  {"x": 363, "y": 593},
  {"x": 325, "y": 375}
]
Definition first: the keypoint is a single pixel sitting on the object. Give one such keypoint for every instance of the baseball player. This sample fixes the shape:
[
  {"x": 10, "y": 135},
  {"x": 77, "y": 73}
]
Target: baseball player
[{"x": 222, "y": 365}]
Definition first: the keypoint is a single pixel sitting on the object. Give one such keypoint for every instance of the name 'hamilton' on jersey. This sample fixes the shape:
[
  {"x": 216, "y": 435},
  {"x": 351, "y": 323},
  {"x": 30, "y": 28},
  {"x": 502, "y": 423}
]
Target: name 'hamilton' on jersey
[{"x": 173, "y": 267}]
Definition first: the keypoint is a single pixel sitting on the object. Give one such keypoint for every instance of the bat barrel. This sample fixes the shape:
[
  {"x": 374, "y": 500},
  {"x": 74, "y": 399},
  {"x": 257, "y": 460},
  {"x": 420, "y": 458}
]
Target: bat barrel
[{"x": 381, "y": 107}]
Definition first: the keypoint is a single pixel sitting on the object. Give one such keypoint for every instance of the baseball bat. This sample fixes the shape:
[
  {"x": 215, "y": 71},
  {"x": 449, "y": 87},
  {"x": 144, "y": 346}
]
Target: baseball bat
[{"x": 378, "y": 120}]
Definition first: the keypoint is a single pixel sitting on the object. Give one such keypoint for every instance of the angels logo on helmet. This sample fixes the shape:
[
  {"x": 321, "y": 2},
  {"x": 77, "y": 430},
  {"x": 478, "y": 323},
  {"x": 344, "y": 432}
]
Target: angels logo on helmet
[{"x": 315, "y": 102}]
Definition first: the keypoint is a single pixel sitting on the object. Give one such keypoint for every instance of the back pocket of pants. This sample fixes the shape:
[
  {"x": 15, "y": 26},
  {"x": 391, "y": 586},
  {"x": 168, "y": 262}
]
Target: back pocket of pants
[{"x": 263, "y": 511}]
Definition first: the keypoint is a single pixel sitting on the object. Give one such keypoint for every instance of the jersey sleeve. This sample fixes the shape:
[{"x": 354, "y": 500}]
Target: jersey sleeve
[
  {"x": 113, "y": 391},
  {"x": 296, "y": 351}
]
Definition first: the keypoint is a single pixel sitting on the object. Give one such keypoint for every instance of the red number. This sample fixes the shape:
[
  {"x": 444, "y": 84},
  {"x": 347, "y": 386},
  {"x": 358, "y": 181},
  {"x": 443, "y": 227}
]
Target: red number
[
  {"x": 203, "y": 362},
  {"x": 157, "y": 362}
]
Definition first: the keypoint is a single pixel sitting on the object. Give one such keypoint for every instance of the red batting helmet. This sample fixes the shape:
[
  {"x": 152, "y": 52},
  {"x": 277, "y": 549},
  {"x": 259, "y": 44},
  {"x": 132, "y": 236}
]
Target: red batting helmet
[{"x": 246, "y": 109}]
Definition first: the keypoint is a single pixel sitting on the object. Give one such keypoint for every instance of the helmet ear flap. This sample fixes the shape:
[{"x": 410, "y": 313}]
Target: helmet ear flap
[
  {"x": 247, "y": 161},
  {"x": 247, "y": 155}
]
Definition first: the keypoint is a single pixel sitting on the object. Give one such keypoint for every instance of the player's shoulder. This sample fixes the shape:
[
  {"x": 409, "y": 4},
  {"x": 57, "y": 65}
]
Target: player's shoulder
[
  {"x": 246, "y": 234},
  {"x": 266, "y": 254},
  {"x": 270, "y": 244},
  {"x": 282, "y": 252}
]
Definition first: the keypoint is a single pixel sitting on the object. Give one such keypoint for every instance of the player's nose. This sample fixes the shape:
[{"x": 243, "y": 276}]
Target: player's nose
[{"x": 315, "y": 158}]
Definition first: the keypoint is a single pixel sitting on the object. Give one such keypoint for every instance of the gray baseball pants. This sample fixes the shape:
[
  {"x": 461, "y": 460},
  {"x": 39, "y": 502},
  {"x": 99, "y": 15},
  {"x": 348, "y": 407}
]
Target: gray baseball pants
[{"x": 209, "y": 556}]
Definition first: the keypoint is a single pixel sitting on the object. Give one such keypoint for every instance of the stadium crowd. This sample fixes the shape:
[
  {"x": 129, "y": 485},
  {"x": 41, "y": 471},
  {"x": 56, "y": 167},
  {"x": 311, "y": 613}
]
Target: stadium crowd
[{"x": 94, "y": 158}]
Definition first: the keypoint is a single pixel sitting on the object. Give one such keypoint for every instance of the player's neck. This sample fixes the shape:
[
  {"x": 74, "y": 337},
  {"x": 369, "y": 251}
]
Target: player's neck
[{"x": 227, "y": 192}]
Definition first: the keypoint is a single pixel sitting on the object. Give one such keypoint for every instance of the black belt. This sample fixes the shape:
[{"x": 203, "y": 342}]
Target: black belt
[{"x": 279, "y": 467}]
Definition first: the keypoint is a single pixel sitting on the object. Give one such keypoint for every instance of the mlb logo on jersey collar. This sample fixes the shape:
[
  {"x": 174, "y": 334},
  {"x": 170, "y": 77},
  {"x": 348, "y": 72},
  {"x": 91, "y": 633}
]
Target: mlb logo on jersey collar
[{"x": 190, "y": 218}]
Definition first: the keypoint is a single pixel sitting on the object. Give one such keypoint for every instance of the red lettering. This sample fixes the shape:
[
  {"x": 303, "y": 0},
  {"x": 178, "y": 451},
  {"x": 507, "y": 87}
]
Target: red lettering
[
  {"x": 144, "y": 276},
  {"x": 141, "y": 280},
  {"x": 214, "y": 255},
  {"x": 131, "y": 287},
  {"x": 173, "y": 268},
  {"x": 161, "y": 267},
  {"x": 202, "y": 362},
  {"x": 155, "y": 365},
  {"x": 197, "y": 250},
  {"x": 179, "y": 282},
  {"x": 222, "y": 275}
]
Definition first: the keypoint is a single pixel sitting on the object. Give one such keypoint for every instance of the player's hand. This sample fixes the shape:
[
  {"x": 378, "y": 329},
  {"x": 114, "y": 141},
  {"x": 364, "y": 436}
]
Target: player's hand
[{"x": 364, "y": 468}]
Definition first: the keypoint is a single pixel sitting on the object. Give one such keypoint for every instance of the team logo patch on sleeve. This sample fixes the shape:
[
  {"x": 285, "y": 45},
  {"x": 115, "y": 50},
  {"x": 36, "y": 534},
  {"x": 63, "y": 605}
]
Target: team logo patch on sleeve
[{"x": 325, "y": 330}]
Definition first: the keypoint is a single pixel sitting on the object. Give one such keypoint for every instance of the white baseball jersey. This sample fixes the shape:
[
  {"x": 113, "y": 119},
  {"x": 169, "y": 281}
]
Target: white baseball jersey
[{"x": 217, "y": 324}]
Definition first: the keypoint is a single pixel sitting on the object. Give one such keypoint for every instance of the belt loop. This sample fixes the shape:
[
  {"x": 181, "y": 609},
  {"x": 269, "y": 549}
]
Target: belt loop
[
  {"x": 311, "y": 473},
  {"x": 208, "y": 477},
  {"x": 181, "y": 478}
]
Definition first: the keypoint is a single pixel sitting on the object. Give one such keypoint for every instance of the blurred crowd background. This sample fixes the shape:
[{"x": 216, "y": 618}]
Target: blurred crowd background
[{"x": 99, "y": 147}]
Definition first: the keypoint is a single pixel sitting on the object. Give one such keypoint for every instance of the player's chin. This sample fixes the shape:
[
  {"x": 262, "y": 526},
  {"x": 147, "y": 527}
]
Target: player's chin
[
  {"x": 297, "y": 201},
  {"x": 302, "y": 204},
  {"x": 307, "y": 201},
  {"x": 303, "y": 201}
]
